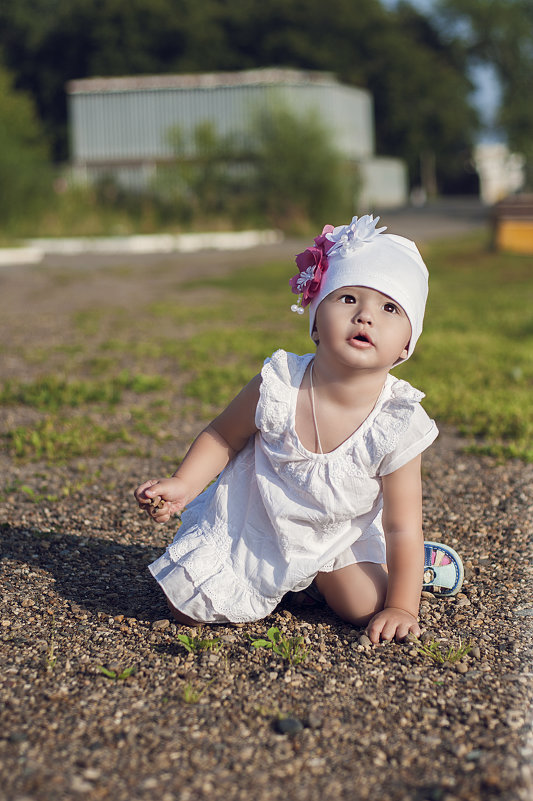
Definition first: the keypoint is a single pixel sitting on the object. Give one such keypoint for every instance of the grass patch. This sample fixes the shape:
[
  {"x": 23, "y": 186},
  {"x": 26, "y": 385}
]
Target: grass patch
[
  {"x": 51, "y": 393},
  {"x": 56, "y": 440},
  {"x": 197, "y": 643},
  {"x": 475, "y": 358},
  {"x": 474, "y": 361},
  {"x": 443, "y": 655}
]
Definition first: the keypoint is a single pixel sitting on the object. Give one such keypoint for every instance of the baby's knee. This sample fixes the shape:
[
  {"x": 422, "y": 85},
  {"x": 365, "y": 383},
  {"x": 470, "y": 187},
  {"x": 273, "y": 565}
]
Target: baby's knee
[
  {"x": 358, "y": 618},
  {"x": 356, "y": 593}
]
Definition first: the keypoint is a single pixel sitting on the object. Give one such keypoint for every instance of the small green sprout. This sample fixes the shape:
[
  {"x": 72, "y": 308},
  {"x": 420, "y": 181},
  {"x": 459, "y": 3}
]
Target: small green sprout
[
  {"x": 191, "y": 695},
  {"x": 114, "y": 675},
  {"x": 290, "y": 648},
  {"x": 197, "y": 643},
  {"x": 443, "y": 655}
]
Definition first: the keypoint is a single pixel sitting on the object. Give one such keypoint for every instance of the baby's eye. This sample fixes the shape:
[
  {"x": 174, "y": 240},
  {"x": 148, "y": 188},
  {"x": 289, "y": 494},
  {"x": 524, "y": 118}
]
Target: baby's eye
[
  {"x": 347, "y": 299},
  {"x": 392, "y": 308}
]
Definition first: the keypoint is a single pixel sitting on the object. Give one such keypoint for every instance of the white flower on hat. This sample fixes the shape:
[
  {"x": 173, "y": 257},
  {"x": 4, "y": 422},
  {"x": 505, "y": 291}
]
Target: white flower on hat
[{"x": 361, "y": 230}]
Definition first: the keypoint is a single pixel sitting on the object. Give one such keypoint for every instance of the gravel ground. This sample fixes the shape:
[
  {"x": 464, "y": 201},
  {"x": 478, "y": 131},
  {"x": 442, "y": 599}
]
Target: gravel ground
[{"x": 232, "y": 721}]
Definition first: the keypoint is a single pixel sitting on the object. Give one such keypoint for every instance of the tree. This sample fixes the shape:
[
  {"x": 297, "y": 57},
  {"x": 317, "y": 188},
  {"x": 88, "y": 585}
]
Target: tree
[
  {"x": 416, "y": 77},
  {"x": 500, "y": 33},
  {"x": 25, "y": 175}
]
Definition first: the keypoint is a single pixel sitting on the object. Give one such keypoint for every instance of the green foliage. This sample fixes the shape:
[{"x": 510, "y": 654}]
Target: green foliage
[
  {"x": 442, "y": 654},
  {"x": 192, "y": 694},
  {"x": 51, "y": 393},
  {"x": 416, "y": 74},
  {"x": 115, "y": 675},
  {"x": 287, "y": 173},
  {"x": 474, "y": 358},
  {"x": 500, "y": 33},
  {"x": 25, "y": 174},
  {"x": 58, "y": 440},
  {"x": 290, "y": 648},
  {"x": 299, "y": 176},
  {"x": 195, "y": 644}
]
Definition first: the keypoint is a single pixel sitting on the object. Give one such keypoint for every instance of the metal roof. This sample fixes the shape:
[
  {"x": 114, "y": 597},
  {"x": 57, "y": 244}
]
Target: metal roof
[{"x": 206, "y": 80}]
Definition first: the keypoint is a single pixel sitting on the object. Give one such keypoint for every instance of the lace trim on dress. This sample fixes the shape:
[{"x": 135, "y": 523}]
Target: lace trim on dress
[
  {"x": 392, "y": 420},
  {"x": 284, "y": 372},
  {"x": 199, "y": 555},
  {"x": 273, "y": 407}
]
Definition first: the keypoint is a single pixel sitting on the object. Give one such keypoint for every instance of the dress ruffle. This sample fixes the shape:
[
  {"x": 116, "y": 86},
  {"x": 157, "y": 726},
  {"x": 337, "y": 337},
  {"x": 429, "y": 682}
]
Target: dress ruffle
[
  {"x": 213, "y": 580},
  {"x": 280, "y": 377}
]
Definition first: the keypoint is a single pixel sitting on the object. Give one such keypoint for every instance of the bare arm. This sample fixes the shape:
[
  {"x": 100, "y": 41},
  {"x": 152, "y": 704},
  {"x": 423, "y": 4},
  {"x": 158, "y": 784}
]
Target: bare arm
[
  {"x": 402, "y": 524},
  {"x": 209, "y": 454}
]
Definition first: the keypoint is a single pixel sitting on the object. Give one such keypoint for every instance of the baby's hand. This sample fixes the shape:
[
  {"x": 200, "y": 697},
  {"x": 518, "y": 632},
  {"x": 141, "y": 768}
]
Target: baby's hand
[
  {"x": 161, "y": 498},
  {"x": 392, "y": 623}
]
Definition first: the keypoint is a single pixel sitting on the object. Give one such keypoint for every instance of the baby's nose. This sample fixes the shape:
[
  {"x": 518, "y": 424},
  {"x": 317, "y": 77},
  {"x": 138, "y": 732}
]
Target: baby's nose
[{"x": 364, "y": 316}]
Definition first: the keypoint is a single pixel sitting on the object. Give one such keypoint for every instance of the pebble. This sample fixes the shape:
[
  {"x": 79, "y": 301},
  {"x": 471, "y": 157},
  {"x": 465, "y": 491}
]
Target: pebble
[
  {"x": 288, "y": 725},
  {"x": 365, "y": 641},
  {"x": 160, "y": 625},
  {"x": 314, "y": 720}
]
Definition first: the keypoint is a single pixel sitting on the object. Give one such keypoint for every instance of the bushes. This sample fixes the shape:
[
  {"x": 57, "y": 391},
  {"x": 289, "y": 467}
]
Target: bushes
[
  {"x": 286, "y": 173},
  {"x": 25, "y": 172}
]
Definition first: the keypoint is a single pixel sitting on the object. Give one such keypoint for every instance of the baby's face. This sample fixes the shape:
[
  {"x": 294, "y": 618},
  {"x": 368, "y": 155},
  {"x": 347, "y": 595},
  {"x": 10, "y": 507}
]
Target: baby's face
[{"x": 363, "y": 327}]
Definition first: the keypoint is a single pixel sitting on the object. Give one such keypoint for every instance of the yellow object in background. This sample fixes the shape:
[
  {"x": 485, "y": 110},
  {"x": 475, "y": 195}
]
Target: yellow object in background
[
  {"x": 513, "y": 224},
  {"x": 515, "y": 236}
]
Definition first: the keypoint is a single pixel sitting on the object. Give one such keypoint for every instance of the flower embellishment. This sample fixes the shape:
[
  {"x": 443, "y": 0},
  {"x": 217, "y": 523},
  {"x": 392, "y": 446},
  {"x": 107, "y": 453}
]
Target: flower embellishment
[
  {"x": 348, "y": 238},
  {"x": 313, "y": 263}
]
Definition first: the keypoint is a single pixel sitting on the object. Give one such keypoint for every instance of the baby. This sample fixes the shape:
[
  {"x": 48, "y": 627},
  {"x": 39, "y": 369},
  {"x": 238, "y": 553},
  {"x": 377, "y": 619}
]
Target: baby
[{"x": 318, "y": 460}]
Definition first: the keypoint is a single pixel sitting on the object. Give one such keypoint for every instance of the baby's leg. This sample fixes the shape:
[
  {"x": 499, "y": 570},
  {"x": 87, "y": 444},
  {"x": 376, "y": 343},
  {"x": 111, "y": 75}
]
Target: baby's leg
[
  {"x": 355, "y": 592},
  {"x": 179, "y": 617}
]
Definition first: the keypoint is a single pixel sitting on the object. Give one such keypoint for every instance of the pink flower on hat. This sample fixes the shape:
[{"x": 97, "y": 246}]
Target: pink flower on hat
[{"x": 312, "y": 265}]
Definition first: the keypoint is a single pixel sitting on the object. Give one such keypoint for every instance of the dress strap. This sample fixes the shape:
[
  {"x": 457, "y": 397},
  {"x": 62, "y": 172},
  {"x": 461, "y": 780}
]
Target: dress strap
[{"x": 313, "y": 408}]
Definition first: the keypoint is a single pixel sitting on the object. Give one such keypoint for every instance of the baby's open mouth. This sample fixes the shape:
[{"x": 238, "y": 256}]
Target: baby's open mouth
[{"x": 362, "y": 338}]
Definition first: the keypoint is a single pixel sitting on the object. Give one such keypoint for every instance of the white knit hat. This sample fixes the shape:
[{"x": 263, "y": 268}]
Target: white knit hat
[{"x": 359, "y": 255}]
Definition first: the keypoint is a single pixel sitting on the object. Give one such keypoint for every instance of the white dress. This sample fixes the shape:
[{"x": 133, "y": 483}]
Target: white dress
[{"x": 278, "y": 513}]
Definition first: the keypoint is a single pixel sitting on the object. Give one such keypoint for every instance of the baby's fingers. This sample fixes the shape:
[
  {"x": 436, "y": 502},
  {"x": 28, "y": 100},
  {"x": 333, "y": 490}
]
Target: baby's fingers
[
  {"x": 160, "y": 511},
  {"x": 140, "y": 493}
]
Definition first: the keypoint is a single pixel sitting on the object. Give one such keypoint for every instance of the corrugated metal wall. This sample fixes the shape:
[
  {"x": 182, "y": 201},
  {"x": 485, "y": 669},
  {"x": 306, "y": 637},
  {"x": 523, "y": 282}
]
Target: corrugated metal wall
[{"x": 135, "y": 124}]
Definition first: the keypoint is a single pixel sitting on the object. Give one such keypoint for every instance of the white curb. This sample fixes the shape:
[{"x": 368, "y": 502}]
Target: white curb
[{"x": 139, "y": 244}]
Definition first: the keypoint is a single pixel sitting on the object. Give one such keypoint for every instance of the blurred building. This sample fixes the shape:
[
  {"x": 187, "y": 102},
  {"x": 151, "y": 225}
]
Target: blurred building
[
  {"x": 501, "y": 173},
  {"x": 126, "y": 128}
]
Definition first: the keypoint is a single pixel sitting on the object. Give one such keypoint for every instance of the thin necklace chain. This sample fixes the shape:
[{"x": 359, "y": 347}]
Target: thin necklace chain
[{"x": 313, "y": 409}]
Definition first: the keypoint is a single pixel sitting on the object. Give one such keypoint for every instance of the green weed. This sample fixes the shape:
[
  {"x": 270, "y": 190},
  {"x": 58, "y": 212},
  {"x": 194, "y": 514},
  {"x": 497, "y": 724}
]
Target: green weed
[
  {"x": 51, "y": 393},
  {"x": 191, "y": 694},
  {"x": 57, "y": 440},
  {"x": 115, "y": 675},
  {"x": 290, "y": 648},
  {"x": 444, "y": 654},
  {"x": 197, "y": 643}
]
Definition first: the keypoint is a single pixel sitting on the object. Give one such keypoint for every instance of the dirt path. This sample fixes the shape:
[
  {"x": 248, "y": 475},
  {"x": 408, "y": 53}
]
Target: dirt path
[{"x": 383, "y": 723}]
